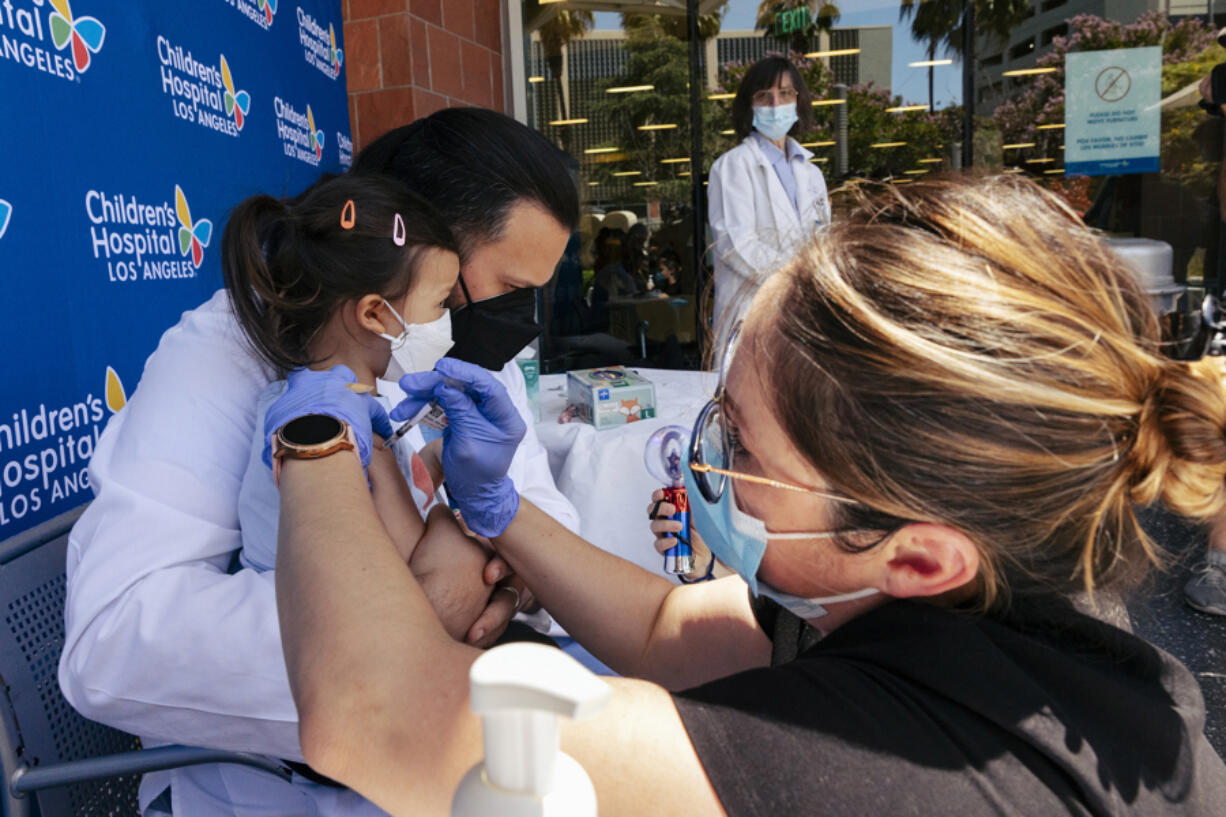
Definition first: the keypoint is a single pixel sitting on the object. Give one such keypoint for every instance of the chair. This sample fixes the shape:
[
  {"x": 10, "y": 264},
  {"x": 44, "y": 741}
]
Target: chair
[{"x": 72, "y": 766}]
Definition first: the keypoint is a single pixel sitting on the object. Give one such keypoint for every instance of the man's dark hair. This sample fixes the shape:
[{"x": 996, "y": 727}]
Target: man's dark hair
[
  {"x": 764, "y": 74},
  {"x": 473, "y": 164}
]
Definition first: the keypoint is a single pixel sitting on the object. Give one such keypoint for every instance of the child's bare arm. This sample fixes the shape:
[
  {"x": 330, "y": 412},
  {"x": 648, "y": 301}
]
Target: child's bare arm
[
  {"x": 432, "y": 457},
  {"x": 446, "y": 562},
  {"x": 394, "y": 501}
]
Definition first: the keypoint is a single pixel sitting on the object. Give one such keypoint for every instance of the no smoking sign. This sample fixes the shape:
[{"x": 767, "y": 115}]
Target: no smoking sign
[{"x": 1112, "y": 84}]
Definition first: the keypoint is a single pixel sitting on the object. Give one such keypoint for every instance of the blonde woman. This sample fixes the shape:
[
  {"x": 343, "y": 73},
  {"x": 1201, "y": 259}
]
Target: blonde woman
[{"x": 924, "y": 457}]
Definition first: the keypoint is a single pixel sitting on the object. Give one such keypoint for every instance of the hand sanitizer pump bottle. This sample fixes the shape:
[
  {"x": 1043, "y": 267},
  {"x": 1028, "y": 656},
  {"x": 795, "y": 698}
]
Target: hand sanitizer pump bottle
[{"x": 519, "y": 690}]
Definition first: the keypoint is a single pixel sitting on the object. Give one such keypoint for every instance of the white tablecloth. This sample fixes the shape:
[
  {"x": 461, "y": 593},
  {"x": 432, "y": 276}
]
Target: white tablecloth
[{"x": 602, "y": 472}]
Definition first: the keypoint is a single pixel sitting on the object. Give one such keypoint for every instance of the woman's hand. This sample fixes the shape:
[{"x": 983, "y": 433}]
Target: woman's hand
[
  {"x": 483, "y": 432},
  {"x": 658, "y": 512},
  {"x": 511, "y": 596}
]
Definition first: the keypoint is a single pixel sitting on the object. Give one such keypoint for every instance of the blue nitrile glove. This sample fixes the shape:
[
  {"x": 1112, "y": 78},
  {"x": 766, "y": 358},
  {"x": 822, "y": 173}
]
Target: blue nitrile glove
[
  {"x": 483, "y": 432},
  {"x": 311, "y": 392}
]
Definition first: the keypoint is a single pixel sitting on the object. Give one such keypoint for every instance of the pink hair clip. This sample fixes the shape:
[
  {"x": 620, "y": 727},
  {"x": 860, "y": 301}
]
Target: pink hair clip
[
  {"x": 398, "y": 231},
  {"x": 348, "y": 216}
]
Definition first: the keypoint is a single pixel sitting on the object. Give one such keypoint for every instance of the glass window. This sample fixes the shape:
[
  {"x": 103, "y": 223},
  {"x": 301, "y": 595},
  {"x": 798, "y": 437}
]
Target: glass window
[{"x": 632, "y": 99}]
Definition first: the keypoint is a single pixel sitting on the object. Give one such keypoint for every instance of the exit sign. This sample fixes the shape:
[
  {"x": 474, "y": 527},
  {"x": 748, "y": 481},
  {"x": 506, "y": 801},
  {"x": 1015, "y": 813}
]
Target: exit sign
[{"x": 792, "y": 20}]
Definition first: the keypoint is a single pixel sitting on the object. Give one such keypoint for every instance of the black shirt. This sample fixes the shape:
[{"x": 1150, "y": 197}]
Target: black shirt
[{"x": 915, "y": 710}]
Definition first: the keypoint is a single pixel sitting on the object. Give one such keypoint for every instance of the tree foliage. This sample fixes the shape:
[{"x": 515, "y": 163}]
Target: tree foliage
[
  {"x": 869, "y": 122},
  {"x": 559, "y": 29},
  {"x": 939, "y": 22},
  {"x": 656, "y": 57},
  {"x": 677, "y": 25}
]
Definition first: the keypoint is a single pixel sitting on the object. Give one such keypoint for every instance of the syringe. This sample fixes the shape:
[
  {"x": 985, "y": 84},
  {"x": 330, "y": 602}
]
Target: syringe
[{"x": 431, "y": 415}]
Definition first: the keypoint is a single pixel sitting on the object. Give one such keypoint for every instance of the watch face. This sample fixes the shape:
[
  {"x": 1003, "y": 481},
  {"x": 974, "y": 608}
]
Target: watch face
[{"x": 311, "y": 429}]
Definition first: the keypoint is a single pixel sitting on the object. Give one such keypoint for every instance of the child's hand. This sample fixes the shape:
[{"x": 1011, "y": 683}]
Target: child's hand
[{"x": 658, "y": 512}]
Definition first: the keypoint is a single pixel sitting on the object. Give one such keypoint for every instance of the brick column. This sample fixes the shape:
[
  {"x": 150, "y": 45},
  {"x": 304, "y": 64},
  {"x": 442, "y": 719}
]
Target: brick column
[{"x": 405, "y": 59}]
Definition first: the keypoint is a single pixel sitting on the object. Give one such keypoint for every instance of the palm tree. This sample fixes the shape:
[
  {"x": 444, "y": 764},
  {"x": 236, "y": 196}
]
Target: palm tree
[
  {"x": 933, "y": 22},
  {"x": 822, "y": 15},
  {"x": 557, "y": 26},
  {"x": 939, "y": 23},
  {"x": 555, "y": 33},
  {"x": 676, "y": 25}
]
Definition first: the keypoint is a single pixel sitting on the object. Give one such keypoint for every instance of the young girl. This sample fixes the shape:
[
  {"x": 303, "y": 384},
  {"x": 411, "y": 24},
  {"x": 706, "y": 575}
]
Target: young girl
[{"x": 354, "y": 272}]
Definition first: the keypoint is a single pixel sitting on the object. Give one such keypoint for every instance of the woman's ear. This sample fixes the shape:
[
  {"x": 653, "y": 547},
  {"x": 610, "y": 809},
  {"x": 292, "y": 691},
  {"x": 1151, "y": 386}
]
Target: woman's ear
[
  {"x": 926, "y": 559},
  {"x": 370, "y": 313}
]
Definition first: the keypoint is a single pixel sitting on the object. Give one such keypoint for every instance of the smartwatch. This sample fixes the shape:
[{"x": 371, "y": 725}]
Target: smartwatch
[{"x": 310, "y": 437}]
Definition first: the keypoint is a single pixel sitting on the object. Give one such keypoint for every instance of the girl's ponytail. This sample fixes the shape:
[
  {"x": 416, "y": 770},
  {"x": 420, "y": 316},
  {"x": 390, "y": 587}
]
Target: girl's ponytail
[{"x": 254, "y": 228}]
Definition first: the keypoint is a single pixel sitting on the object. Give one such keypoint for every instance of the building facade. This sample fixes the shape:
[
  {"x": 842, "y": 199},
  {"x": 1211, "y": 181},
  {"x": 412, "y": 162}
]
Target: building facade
[{"x": 407, "y": 60}]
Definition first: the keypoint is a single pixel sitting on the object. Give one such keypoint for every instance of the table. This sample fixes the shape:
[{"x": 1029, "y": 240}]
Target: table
[{"x": 602, "y": 472}]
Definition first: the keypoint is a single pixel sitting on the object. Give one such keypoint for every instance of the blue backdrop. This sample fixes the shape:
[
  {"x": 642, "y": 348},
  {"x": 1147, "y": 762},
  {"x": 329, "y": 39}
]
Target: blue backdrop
[{"x": 128, "y": 129}]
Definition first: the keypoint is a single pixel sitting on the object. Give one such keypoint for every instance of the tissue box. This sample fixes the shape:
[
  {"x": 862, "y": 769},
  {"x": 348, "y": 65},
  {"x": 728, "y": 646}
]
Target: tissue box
[{"x": 611, "y": 396}]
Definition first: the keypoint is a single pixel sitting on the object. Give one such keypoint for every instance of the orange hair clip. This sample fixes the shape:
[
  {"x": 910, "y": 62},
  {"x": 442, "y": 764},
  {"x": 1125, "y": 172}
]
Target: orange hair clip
[{"x": 348, "y": 215}]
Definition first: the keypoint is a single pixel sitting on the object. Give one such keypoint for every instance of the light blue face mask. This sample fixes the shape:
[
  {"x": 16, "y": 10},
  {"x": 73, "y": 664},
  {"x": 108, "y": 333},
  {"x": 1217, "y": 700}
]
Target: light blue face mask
[
  {"x": 774, "y": 121},
  {"x": 739, "y": 541}
]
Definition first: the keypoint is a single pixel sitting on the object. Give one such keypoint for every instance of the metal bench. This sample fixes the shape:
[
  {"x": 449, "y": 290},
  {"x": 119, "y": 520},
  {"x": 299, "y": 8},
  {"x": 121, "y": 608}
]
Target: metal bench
[{"x": 70, "y": 765}]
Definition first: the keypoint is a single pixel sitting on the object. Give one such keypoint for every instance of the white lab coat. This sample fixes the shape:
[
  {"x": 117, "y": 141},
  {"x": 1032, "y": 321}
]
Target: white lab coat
[
  {"x": 754, "y": 226},
  {"x": 161, "y": 640}
]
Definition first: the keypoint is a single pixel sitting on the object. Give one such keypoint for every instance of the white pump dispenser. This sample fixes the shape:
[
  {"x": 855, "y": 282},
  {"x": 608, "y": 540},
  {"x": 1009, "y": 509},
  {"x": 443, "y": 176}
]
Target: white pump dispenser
[{"x": 519, "y": 690}]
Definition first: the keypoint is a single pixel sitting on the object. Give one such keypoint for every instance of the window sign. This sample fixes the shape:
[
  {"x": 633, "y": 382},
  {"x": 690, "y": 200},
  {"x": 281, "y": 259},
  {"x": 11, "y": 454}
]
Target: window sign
[{"x": 1112, "y": 111}]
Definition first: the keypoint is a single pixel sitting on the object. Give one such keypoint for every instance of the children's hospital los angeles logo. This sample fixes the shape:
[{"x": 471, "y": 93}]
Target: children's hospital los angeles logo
[
  {"x": 193, "y": 235},
  {"x": 45, "y": 449},
  {"x": 259, "y": 12},
  {"x": 237, "y": 102},
  {"x": 319, "y": 45},
  {"x": 145, "y": 240},
  {"x": 33, "y": 33},
  {"x": 201, "y": 92},
  {"x": 300, "y": 138}
]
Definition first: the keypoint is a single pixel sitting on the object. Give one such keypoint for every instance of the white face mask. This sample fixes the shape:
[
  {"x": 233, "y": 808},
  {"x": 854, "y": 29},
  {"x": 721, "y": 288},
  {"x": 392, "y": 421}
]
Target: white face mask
[
  {"x": 809, "y": 608},
  {"x": 419, "y": 346}
]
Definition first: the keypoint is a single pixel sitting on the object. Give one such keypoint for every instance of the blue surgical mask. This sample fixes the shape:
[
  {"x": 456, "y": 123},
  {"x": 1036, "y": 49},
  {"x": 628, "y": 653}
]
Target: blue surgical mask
[
  {"x": 739, "y": 541},
  {"x": 774, "y": 121}
]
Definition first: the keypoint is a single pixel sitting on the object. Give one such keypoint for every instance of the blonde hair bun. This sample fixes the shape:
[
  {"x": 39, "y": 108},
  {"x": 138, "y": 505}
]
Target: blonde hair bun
[
  {"x": 966, "y": 351},
  {"x": 1179, "y": 454}
]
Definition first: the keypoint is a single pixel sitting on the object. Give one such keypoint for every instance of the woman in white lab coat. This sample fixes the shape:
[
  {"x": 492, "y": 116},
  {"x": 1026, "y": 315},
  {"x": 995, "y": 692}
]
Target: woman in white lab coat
[{"x": 766, "y": 197}]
